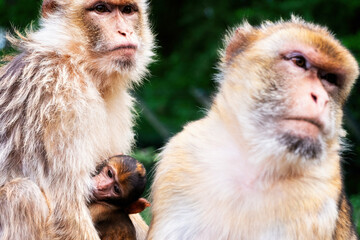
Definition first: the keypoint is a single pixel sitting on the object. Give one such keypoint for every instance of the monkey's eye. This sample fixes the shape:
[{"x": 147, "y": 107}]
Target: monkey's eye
[
  {"x": 330, "y": 78},
  {"x": 110, "y": 174},
  {"x": 128, "y": 9},
  {"x": 299, "y": 61},
  {"x": 116, "y": 189},
  {"x": 101, "y": 8}
]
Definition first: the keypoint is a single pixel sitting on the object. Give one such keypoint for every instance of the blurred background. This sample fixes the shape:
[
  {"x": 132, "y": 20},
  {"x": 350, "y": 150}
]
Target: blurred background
[{"x": 189, "y": 34}]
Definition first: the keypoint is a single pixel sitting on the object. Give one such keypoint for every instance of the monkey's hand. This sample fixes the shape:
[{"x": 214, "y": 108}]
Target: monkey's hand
[{"x": 138, "y": 206}]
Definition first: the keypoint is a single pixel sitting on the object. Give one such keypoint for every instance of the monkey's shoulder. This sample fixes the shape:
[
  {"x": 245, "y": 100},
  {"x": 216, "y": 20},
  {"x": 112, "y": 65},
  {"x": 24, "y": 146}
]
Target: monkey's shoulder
[
  {"x": 12, "y": 70},
  {"x": 201, "y": 136},
  {"x": 192, "y": 137},
  {"x": 195, "y": 151}
]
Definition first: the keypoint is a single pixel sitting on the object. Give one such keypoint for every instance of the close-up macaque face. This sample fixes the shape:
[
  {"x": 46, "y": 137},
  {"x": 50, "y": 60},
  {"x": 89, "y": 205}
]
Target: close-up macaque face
[
  {"x": 119, "y": 181},
  {"x": 114, "y": 29},
  {"x": 302, "y": 89}
]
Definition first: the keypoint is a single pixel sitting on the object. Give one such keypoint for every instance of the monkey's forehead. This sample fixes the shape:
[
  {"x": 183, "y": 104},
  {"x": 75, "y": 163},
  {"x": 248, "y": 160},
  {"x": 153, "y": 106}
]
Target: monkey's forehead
[
  {"x": 317, "y": 43},
  {"x": 274, "y": 36},
  {"x": 127, "y": 163},
  {"x": 270, "y": 40}
]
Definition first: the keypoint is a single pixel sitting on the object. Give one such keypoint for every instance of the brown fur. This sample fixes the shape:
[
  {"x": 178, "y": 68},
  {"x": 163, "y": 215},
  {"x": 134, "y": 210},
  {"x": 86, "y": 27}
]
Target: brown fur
[
  {"x": 117, "y": 219},
  {"x": 245, "y": 171},
  {"x": 48, "y": 7},
  {"x": 128, "y": 176},
  {"x": 63, "y": 108},
  {"x": 345, "y": 228},
  {"x": 112, "y": 223}
]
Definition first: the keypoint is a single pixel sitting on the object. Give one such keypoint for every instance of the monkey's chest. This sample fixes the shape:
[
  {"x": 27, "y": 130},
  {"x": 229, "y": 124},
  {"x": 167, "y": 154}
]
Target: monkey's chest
[{"x": 281, "y": 214}]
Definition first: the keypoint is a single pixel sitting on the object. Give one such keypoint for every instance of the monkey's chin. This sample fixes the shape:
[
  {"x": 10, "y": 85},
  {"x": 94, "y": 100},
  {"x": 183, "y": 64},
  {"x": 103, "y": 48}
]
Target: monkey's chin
[
  {"x": 303, "y": 146},
  {"x": 124, "y": 64}
]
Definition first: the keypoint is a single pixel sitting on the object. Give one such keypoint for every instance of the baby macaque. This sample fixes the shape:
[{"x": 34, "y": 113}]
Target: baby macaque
[{"x": 119, "y": 183}]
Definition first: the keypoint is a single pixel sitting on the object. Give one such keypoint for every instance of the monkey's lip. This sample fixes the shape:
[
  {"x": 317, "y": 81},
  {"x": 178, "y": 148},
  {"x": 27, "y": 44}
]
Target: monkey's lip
[
  {"x": 125, "y": 47},
  {"x": 312, "y": 121}
]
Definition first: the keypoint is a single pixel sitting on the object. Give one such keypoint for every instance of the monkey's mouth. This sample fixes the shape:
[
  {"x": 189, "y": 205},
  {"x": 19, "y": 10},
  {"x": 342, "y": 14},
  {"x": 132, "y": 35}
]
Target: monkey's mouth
[
  {"x": 303, "y": 126},
  {"x": 125, "y": 47},
  {"x": 312, "y": 121},
  {"x": 124, "y": 54}
]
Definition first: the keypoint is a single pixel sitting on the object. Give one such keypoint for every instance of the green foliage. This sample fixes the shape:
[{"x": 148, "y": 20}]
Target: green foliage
[
  {"x": 146, "y": 156},
  {"x": 18, "y": 13},
  {"x": 146, "y": 215},
  {"x": 355, "y": 201}
]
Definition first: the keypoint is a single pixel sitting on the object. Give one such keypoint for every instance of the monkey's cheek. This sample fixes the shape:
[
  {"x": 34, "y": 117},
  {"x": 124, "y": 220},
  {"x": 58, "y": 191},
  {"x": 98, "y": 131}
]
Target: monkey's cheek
[{"x": 300, "y": 128}]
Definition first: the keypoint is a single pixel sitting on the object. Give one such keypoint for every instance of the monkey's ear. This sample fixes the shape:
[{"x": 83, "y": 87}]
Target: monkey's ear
[
  {"x": 48, "y": 7},
  {"x": 238, "y": 41},
  {"x": 137, "y": 206}
]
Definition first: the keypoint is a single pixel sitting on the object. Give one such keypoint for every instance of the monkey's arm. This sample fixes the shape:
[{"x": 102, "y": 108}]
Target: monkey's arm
[
  {"x": 71, "y": 217},
  {"x": 23, "y": 206},
  {"x": 72, "y": 149}
]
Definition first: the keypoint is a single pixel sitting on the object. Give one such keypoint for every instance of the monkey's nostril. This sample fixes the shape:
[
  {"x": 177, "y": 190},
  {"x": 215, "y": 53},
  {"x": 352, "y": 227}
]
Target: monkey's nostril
[
  {"x": 314, "y": 97},
  {"x": 122, "y": 33}
]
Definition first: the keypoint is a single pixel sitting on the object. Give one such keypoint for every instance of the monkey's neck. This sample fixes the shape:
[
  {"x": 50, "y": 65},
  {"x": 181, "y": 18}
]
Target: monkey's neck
[{"x": 221, "y": 110}]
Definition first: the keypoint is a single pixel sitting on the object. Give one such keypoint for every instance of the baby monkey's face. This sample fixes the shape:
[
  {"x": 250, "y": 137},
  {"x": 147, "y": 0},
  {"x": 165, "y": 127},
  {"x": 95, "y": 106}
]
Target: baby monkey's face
[{"x": 119, "y": 180}]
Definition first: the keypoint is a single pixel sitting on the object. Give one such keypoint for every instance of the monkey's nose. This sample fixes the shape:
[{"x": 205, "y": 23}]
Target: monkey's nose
[{"x": 320, "y": 99}]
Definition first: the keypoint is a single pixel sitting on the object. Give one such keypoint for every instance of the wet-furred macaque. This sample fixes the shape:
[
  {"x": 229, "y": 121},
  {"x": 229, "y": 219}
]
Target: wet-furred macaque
[
  {"x": 119, "y": 183},
  {"x": 65, "y": 106},
  {"x": 264, "y": 162}
]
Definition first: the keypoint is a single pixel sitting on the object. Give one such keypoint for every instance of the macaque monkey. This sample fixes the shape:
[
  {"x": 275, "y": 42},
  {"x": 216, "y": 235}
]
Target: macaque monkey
[
  {"x": 264, "y": 162},
  {"x": 64, "y": 106},
  {"x": 119, "y": 183}
]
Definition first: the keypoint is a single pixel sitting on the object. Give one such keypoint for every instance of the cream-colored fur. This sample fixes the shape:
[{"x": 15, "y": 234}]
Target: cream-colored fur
[
  {"x": 226, "y": 176},
  {"x": 62, "y": 112}
]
